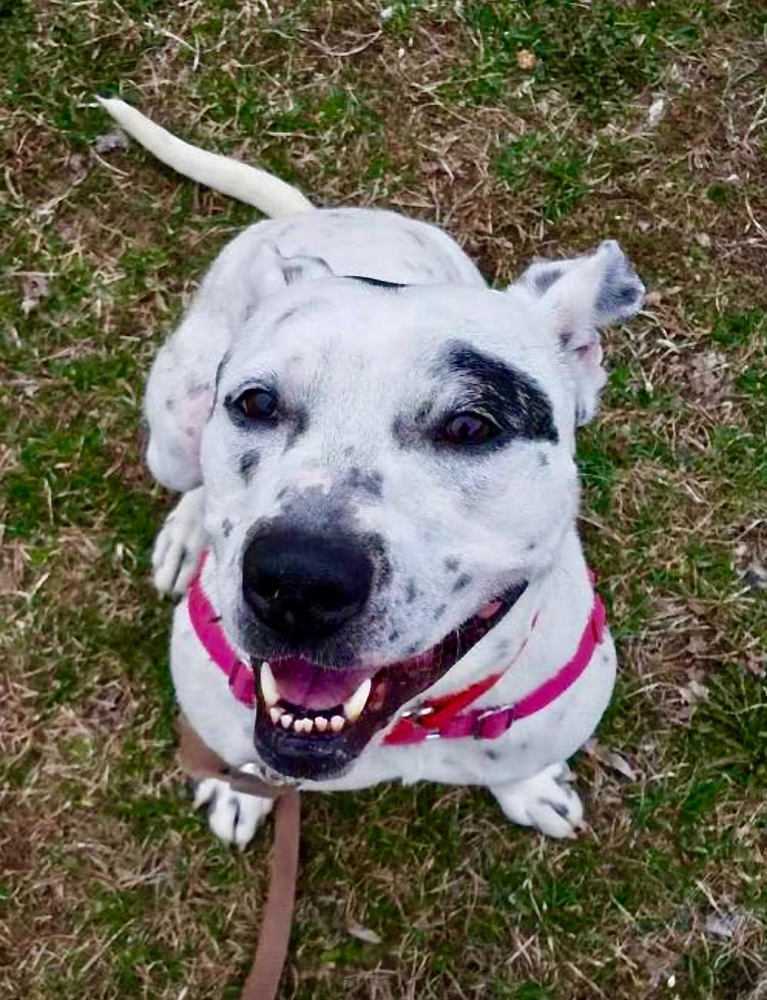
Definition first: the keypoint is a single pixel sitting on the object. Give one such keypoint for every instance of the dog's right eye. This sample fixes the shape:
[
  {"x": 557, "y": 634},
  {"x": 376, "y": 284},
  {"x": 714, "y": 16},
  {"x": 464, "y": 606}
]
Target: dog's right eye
[{"x": 257, "y": 405}]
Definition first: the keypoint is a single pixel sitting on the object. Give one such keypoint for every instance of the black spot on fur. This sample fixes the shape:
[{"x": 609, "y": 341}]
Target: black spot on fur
[
  {"x": 439, "y": 612},
  {"x": 226, "y": 527},
  {"x": 565, "y": 338},
  {"x": 300, "y": 423},
  {"x": 248, "y": 464},
  {"x": 366, "y": 482},
  {"x": 463, "y": 581},
  {"x": 452, "y": 564},
  {"x": 169, "y": 404},
  {"x": 424, "y": 412},
  {"x": 393, "y": 635},
  {"x": 492, "y": 755},
  {"x": 532, "y": 546},
  {"x": 410, "y": 591},
  {"x": 546, "y": 279},
  {"x": 543, "y": 459},
  {"x": 559, "y": 807}
]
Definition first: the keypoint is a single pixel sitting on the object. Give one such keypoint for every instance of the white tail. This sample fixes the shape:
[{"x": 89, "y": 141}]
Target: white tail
[{"x": 255, "y": 187}]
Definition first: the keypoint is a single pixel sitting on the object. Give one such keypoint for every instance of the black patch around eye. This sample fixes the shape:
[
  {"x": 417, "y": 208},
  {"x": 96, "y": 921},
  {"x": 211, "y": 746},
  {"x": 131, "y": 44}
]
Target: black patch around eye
[
  {"x": 463, "y": 581},
  {"x": 514, "y": 399}
]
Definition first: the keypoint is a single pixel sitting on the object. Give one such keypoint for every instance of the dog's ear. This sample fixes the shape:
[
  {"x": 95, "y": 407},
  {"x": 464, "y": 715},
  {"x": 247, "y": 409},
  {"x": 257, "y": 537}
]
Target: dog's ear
[
  {"x": 182, "y": 383},
  {"x": 581, "y": 295}
]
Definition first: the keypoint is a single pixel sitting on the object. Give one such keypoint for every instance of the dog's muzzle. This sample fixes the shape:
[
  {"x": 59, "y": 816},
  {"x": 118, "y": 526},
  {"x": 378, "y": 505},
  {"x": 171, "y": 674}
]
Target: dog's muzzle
[{"x": 313, "y": 720}]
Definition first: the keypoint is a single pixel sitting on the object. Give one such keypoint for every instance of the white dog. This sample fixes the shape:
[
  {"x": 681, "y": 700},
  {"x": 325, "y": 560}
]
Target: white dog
[{"x": 376, "y": 453}]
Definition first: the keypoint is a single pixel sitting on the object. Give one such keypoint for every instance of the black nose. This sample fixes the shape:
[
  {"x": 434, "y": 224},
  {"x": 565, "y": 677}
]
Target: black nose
[{"x": 304, "y": 585}]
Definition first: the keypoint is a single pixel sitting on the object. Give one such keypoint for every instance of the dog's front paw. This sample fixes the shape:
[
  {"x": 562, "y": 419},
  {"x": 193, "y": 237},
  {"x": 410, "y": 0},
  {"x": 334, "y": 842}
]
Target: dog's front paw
[
  {"x": 179, "y": 545},
  {"x": 546, "y": 801},
  {"x": 232, "y": 816}
]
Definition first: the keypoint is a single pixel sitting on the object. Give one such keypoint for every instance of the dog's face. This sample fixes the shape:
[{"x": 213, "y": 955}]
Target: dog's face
[{"x": 385, "y": 471}]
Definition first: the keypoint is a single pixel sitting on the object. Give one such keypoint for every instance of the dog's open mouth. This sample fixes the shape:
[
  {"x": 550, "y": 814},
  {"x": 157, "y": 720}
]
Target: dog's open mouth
[{"x": 313, "y": 721}]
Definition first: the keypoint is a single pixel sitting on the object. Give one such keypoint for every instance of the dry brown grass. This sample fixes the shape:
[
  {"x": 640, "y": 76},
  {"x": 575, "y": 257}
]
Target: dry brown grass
[{"x": 108, "y": 887}]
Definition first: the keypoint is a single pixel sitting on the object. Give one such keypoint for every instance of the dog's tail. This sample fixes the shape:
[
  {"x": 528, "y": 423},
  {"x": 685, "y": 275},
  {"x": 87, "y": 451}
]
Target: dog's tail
[{"x": 238, "y": 180}]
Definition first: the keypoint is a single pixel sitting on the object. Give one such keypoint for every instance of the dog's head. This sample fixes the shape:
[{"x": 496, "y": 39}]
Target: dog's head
[{"x": 386, "y": 469}]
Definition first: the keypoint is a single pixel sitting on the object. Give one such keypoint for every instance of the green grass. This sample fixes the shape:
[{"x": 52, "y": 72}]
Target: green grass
[{"x": 109, "y": 885}]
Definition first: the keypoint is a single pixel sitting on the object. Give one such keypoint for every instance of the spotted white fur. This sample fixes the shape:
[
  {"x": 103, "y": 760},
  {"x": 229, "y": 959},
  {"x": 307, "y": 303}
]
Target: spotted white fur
[{"x": 358, "y": 363}]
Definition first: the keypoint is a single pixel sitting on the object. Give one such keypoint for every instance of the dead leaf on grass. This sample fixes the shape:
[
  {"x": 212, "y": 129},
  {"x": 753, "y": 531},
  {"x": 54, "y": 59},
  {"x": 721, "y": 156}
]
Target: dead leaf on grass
[
  {"x": 362, "y": 933},
  {"x": 111, "y": 141},
  {"x": 609, "y": 758}
]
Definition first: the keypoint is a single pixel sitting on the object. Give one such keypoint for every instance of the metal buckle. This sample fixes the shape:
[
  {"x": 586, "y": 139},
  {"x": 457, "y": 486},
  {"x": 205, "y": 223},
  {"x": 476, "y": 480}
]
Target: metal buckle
[{"x": 417, "y": 712}]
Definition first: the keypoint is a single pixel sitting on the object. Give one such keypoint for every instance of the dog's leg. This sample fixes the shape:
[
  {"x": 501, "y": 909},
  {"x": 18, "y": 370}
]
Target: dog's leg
[
  {"x": 232, "y": 816},
  {"x": 179, "y": 544},
  {"x": 546, "y": 801}
]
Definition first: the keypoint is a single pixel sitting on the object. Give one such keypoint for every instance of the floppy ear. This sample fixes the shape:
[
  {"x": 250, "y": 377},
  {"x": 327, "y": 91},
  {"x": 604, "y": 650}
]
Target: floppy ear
[
  {"x": 182, "y": 383},
  {"x": 580, "y": 296}
]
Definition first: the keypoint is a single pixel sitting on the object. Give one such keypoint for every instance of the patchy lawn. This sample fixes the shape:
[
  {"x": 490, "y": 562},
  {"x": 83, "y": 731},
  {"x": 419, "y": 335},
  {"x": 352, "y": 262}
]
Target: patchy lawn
[{"x": 525, "y": 128}]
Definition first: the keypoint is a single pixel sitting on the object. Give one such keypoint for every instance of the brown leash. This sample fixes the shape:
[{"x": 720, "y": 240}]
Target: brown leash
[{"x": 199, "y": 761}]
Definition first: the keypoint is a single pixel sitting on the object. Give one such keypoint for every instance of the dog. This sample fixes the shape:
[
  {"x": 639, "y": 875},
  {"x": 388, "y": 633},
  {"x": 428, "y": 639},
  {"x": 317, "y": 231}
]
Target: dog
[{"x": 376, "y": 550}]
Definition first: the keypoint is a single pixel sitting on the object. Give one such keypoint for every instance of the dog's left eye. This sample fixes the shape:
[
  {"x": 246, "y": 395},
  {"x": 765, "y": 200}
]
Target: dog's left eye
[
  {"x": 466, "y": 429},
  {"x": 257, "y": 404}
]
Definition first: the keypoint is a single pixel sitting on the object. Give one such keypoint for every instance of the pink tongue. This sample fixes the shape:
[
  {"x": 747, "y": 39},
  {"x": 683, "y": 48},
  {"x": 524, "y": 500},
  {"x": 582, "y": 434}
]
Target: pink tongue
[{"x": 303, "y": 683}]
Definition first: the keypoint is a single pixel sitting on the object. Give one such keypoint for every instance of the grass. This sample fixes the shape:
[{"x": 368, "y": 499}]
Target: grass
[{"x": 525, "y": 128}]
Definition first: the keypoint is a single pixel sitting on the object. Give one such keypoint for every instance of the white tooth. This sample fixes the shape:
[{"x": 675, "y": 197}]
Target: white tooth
[
  {"x": 298, "y": 725},
  {"x": 275, "y": 714},
  {"x": 321, "y": 723},
  {"x": 268, "y": 685},
  {"x": 337, "y": 723},
  {"x": 308, "y": 725},
  {"x": 285, "y": 720},
  {"x": 354, "y": 705}
]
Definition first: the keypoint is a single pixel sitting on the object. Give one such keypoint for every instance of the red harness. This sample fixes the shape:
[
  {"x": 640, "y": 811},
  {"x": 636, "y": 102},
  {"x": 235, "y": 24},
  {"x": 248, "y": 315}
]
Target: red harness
[{"x": 438, "y": 718}]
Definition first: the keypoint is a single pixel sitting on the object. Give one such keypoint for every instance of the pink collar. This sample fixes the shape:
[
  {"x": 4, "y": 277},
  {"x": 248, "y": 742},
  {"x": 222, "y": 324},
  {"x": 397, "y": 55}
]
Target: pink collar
[{"x": 438, "y": 718}]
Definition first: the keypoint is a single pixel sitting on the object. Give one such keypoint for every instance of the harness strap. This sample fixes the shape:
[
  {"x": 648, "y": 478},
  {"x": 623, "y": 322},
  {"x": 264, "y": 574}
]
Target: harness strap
[{"x": 199, "y": 761}]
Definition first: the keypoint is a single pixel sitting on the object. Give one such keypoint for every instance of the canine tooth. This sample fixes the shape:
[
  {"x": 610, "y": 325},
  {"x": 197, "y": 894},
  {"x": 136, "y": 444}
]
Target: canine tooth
[
  {"x": 285, "y": 720},
  {"x": 353, "y": 706},
  {"x": 321, "y": 723},
  {"x": 275, "y": 714},
  {"x": 268, "y": 685},
  {"x": 337, "y": 723}
]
